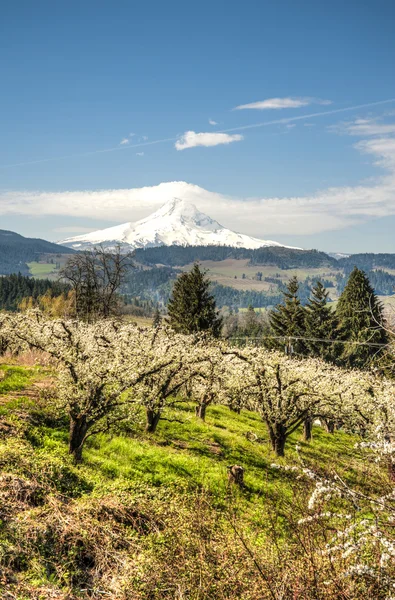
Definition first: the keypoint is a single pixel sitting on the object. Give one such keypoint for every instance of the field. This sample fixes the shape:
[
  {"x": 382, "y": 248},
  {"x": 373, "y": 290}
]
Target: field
[
  {"x": 230, "y": 273},
  {"x": 41, "y": 270},
  {"x": 48, "y": 267}
]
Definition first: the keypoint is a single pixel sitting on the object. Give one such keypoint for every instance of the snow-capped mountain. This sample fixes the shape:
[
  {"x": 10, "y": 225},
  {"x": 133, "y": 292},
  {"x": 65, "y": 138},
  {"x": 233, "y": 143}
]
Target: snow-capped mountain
[{"x": 177, "y": 222}]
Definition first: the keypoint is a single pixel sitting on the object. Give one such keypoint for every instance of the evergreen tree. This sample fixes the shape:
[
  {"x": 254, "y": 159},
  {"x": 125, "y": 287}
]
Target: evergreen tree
[
  {"x": 157, "y": 320},
  {"x": 288, "y": 320},
  {"x": 191, "y": 307},
  {"x": 360, "y": 315},
  {"x": 320, "y": 323}
]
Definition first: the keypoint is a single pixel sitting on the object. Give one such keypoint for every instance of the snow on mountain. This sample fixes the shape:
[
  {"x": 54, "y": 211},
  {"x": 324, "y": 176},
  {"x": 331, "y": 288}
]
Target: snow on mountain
[
  {"x": 338, "y": 255},
  {"x": 177, "y": 222}
]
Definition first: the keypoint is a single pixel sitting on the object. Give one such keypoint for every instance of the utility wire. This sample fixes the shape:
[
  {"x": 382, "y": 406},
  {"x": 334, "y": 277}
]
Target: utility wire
[{"x": 308, "y": 339}]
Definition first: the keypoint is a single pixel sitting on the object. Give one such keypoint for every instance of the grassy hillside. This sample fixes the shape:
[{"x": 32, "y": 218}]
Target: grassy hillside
[
  {"x": 230, "y": 273},
  {"x": 48, "y": 266},
  {"x": 153, "y": 516}
]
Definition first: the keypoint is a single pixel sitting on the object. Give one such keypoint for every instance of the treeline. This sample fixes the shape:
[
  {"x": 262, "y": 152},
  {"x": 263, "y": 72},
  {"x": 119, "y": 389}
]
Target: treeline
[
  {"x": 353, "y": 335},
  {"x": 285, "y": 258},
  {"x": 382, "y": 281},
  {"x": 367, "y": 262},
  {"x": 156, "y": 285},
  {"x": 228, "y": 296},
  {"x": 149, "y": 284},
  {"x": 15, "y": 288}
]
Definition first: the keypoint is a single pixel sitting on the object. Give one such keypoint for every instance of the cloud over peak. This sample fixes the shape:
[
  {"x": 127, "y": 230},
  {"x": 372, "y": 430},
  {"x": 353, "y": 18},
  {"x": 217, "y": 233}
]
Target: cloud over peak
[
  {"x": 191, "y": 139},
  {"x": 322, "y": 210},
  {"x": 280, "y": 103}
]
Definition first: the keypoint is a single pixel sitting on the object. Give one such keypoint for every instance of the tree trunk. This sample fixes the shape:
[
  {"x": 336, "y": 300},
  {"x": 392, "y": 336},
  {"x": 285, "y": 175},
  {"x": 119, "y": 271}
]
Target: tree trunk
[
  {"x": 77, "y": 433},
  {"x": 236, "y": 475},
  {"x": 279, "y": 445},
  {"x": 329, "y": 425},
  {"x": 278, "y": 436},
  {"x": 307, "y": 429},
  {"x": 152, "y": 420},
  {"x": 200, "y": 411}
]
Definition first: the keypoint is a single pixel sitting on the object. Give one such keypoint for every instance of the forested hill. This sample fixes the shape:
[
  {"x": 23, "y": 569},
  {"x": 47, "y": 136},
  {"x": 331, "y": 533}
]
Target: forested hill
[
  {"x": 14, "y": 288},
  {"x": 367, "y": 262},
  {"x": 284, "y": 258},
  {"x": 16, "y": 251}
]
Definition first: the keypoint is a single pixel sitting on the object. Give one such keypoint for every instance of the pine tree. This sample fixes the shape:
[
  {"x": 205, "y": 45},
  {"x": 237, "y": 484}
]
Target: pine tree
[
  {"x": 157, "y": 320},
  {"x": 320, "y": 323},
  {"x": 360, "y": 315},
  {"x": 288, "y": 320},
  {"x": 250, "y": 324},
  {"x": 192, "y": 308}
]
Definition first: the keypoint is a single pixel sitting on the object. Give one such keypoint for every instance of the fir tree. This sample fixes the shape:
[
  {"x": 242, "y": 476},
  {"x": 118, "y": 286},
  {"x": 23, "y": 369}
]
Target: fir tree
[
  {"x": 320, "y": 323},
  {"x": 192, "y": 308},
  {"x": 360, "y": 315},
  {"x": 157, "y": 320},
  {"x": 288, "y": 320}
]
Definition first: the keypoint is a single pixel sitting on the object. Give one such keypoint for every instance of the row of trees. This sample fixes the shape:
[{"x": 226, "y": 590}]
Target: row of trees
[
  {"x": 108, "y": 369},
  {"x": 16, "y": 288},
  {"x": 353, "y": 335}
]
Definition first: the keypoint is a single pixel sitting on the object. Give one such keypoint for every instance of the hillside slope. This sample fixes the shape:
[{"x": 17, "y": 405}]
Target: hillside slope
[{"x": 152, "y": 517}]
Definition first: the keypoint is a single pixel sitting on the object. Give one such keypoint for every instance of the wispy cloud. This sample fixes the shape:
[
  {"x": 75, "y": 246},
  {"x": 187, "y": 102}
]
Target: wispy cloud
[
  {"x": 191, "y": 139},
  {"x": 139, "y": 153},
  {"x": 324, "y": 210},
  {"x": 73, "y": 229},
  {"x": 212, "y": 122},
  {"x": 362, "y": 127},
  {"x": 280, "y": 103},
  {"x": 124, "y": 141},
  {"x": 320, "y": 114}
]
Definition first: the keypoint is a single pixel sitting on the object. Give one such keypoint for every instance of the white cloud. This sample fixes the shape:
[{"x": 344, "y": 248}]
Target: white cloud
[
  {"x": 132, "y": 134},
  {"x": 279, "y": 103},
  {"x": 265, "y": 217},
  {"x": 139, "y": 153},
  {"x": 74, "y": 229},
  {"x": 212, "y": 122},
  {"x": 144, "y": 138},
  {"x": 191, "y": 139},
  {"x": 362, "y": 127},
  {"x": 124, "y": 141},
  {"x": 290, "y": 125}
]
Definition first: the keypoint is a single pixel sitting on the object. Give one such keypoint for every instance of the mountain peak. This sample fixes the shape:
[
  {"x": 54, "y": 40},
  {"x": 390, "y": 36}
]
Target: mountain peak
[
  {"x": 177, "y": 212},
  {"x": 178, "y": 222}
]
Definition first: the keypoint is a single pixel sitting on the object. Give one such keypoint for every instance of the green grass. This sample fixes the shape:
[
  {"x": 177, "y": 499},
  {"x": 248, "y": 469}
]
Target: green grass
[
  {"x": 194, "y": 454},
  {"x": 188, "y": 453},
  {"x": 13, "y": 379},
  {"x": 41, "y": 270},
  {"x": 170, "y": 476}
]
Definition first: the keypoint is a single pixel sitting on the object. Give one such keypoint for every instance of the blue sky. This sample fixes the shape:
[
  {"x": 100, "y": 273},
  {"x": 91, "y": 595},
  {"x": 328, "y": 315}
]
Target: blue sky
[{"x": 78, "y": 78}]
